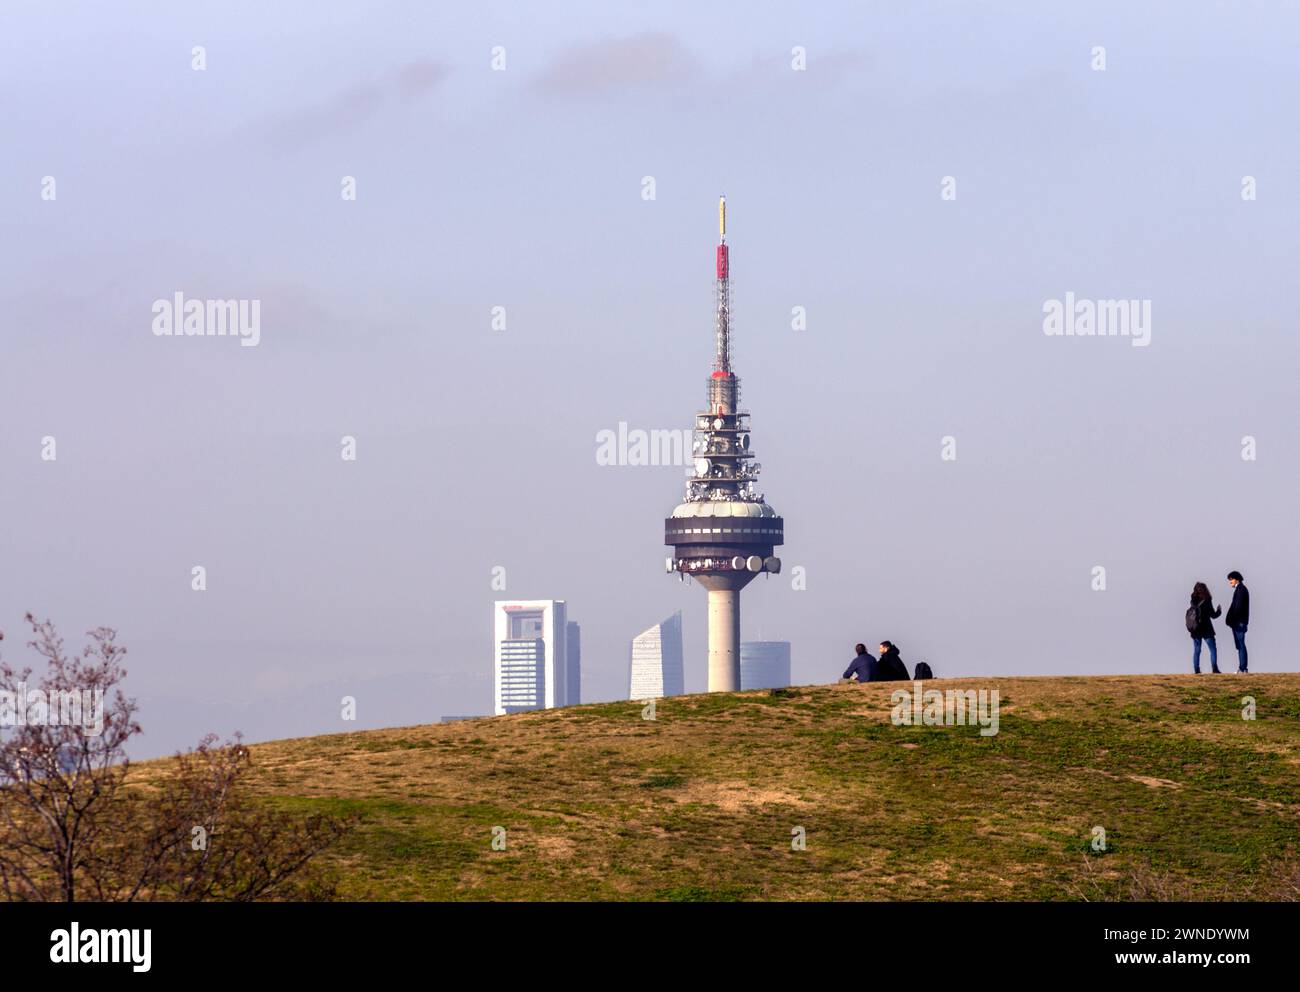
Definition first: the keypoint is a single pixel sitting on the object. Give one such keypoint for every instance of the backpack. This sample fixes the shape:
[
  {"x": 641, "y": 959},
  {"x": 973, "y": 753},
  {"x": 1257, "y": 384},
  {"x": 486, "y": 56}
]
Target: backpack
[
  {"x": 1193, "y": 618},
  {"x": 923, "y": 671}
]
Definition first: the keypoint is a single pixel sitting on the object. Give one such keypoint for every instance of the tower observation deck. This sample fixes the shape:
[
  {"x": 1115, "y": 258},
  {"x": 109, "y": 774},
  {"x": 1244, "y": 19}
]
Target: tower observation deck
[{"x": 724, "y": 533}]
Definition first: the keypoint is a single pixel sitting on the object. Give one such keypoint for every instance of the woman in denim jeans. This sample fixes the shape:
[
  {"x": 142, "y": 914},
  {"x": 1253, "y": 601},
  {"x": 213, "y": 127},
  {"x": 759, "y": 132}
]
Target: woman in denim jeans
[{"x": 1205, "y": 611}]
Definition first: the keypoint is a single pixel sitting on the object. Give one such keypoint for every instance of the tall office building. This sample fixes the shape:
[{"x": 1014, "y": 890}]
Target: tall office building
[
  {"x": 655, "y": 664},
  {"x": 521, "y": 674},
  {"x": 531, "y": 657},
  {"x": 764, "y": 664},
  {"x": 573, "y": 681}
]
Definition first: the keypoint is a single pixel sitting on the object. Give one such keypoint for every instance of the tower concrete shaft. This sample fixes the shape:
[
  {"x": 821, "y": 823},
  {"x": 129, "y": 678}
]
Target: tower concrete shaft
[
  {"x": 724, "y": 640},
  {"x": 724, "y": 627}
]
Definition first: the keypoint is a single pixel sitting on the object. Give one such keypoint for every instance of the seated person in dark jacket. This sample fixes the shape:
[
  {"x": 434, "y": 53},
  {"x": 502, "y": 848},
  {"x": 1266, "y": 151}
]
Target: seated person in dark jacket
[
  {"x": 891, "y": 664},
  {"x": 862, "y": 667}
]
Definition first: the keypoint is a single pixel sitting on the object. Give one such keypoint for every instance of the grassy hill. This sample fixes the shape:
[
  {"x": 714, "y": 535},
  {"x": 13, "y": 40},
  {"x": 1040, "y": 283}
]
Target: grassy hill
[{"x": 599, "y": 803}]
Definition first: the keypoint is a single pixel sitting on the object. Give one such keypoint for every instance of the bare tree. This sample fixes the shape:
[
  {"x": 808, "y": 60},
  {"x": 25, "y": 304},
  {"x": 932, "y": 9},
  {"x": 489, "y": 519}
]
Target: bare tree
[
  {"x": 75, "y": 822},
  {"x": 198, "y": 835}
]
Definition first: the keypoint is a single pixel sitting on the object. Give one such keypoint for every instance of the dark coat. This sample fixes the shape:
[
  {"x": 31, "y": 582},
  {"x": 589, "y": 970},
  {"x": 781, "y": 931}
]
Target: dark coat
[
  {"x": 892, "y": 668},
  {"x": 862, "y": 666},
  {"x": 1239, "y": 611},
  {"x": 1203, "y": 626}
]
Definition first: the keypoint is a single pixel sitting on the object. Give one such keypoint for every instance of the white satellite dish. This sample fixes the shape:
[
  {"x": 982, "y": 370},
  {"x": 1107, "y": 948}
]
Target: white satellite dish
[{"x": 701, "y": 466}]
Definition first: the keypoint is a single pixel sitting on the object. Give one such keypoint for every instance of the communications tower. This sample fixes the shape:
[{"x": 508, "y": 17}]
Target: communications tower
[{"x": 724, "y": 534}]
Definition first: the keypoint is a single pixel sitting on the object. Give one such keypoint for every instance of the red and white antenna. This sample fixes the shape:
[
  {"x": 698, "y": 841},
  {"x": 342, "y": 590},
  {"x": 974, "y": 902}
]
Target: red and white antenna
[{"x": 722, "y": 354}]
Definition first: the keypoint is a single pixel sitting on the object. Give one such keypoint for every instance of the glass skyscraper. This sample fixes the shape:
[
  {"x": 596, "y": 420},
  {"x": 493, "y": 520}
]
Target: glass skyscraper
[{"x": 655, "y": 663}]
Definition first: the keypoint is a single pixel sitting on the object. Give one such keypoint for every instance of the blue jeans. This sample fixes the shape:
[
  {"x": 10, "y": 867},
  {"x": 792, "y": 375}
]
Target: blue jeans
[
  {"x": 1196, "y": 655},
  {"x": 1239, "y": 636}
]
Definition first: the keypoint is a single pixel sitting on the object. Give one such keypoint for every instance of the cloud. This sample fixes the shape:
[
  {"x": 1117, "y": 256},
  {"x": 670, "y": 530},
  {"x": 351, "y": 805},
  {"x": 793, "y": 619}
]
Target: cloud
[
  {"x": 415, "y": 79},
  {"x": 824, "y": 68},
  {"x": 647, "y": 59},
  {"x": 349, "y": 109},
  {"x": 655, "y": 59}
]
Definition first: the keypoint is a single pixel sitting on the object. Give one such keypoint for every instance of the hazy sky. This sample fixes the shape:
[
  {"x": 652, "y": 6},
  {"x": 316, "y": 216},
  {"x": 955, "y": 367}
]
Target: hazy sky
[{"x": 522, "y": 189}]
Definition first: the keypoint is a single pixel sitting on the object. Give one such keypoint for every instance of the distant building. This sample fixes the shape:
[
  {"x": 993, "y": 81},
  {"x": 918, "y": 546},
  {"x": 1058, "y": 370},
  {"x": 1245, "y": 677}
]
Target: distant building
[
  {"x": 764, "y": 664},
  {"x": 573, "y": 681},
  {"x": 531, "y": 657},
  {"x": 655, "y": 664},
  {"x": 521, "y": 674}
]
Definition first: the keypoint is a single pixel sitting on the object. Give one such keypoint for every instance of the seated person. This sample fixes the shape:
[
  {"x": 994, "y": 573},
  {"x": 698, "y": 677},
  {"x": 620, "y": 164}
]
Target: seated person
[
  {"x": 861, "y": 668},
  {"x": 891, "y": 664}
]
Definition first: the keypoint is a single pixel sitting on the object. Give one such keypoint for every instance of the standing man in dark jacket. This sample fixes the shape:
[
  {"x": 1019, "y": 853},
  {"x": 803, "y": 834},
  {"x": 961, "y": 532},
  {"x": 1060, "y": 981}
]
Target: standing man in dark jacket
[
  {"x": 862, "y": 667},
  {"x": 892, "y": 668},
  {"x": 1239, "y": 616}
]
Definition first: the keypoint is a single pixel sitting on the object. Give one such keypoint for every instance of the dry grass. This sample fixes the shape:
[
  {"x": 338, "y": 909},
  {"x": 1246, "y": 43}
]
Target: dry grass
[{"x": 701, "y": 803}]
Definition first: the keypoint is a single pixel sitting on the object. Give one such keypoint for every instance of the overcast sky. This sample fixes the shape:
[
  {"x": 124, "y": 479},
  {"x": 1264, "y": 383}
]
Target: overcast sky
[{"x": 524, "y": 189}]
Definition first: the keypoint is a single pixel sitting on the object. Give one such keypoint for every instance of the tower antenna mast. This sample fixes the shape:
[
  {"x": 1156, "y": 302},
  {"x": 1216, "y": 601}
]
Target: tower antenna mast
[{"x": 722, "y": 320}]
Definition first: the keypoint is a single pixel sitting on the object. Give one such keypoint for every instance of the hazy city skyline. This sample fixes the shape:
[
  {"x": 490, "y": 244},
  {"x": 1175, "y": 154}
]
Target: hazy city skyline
[{"x": 485, "y": 195}]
